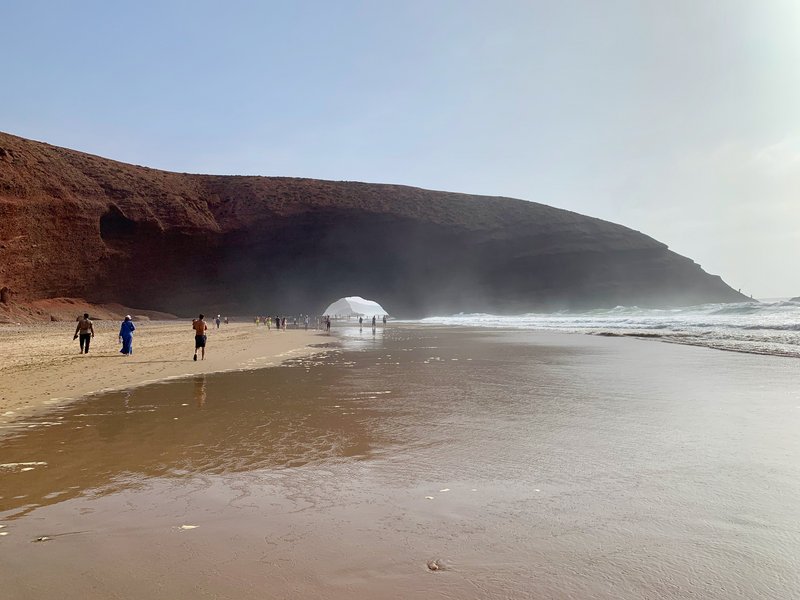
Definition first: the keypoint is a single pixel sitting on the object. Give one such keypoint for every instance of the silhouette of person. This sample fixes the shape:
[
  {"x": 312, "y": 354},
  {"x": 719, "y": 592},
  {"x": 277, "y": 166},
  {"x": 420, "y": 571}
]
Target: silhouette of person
[
  {"x": 200, "y": 327},
  {"x": 126, "y": 335},
  {"x": 85, "y": 330}
]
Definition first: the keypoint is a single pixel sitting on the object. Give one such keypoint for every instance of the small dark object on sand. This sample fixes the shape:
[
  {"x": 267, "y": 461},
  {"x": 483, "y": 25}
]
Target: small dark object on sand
[
  {"x": 435, "y": 565},
  {"x": 47, "y": 538}
]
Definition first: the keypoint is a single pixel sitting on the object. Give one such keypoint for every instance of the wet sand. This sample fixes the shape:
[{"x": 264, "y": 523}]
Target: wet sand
[
  {"x": 40, "y": 365},
  {"x": 521, "y": 465}
]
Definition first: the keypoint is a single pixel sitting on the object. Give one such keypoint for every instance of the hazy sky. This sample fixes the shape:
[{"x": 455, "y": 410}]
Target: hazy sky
[{"x": 677, "y": 118}]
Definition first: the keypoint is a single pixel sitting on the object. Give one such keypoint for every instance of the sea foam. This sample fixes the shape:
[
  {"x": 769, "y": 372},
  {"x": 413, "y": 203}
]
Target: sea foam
[{"x": 755, "y": 327}]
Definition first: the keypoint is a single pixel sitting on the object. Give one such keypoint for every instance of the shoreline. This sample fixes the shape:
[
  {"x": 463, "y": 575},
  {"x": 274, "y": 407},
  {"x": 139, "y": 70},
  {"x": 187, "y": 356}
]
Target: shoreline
[{"x": 41, "y": 367}]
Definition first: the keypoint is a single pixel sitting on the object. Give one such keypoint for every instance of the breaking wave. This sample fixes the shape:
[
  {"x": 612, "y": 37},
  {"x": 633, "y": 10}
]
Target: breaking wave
[{"x": 755, "y": 327}]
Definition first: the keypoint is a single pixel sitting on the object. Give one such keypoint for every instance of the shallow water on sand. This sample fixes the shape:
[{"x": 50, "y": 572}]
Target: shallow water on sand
[{"x": 526, "y": 465}]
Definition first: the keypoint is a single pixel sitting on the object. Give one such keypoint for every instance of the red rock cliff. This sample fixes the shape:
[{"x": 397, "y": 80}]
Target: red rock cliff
[{"x": 77, "y": 225}]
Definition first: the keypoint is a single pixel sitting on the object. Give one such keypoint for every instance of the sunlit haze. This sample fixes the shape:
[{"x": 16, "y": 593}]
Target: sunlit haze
[{"x": 679, "y": 119}]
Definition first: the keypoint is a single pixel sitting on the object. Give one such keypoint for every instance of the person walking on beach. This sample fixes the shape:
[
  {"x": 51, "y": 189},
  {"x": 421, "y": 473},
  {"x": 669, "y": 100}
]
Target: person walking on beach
[
  {"x": 373, "y": 321},
  {"x": 200, "y": 327},
  {"x": 217, "y": 321},
  {"x": 85, "y": 330},
  {"x": 305, "y": 322},
  {"x": 328, "y": 325},
  {"x": 126, "y": 336}
]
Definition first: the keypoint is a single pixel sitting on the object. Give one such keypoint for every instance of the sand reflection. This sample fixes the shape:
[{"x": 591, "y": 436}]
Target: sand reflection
[
  {"x": 200, "y": 391},
  {"x": 227, "y": 423}
]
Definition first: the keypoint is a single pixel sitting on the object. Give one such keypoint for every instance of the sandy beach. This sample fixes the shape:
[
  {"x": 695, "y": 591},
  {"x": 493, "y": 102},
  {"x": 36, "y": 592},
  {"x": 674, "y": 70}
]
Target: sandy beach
[
  {"x": 415, "y": 462},
  {"x": 40, "y": 365}
]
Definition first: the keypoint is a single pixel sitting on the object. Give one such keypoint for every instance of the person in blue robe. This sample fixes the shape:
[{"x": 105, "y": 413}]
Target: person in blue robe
[{"x": 126, "y": 335}]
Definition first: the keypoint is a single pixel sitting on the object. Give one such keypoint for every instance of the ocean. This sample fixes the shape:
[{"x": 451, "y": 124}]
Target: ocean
[{"x": 769, "y": 327}]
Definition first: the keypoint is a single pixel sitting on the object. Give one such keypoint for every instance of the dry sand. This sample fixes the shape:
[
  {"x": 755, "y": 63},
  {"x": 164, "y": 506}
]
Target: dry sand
[{"x": 40, "y": 365}]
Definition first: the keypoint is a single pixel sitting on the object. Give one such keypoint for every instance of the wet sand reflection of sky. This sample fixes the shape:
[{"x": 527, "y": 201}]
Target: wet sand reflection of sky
[{"x": 216, "y": 424}]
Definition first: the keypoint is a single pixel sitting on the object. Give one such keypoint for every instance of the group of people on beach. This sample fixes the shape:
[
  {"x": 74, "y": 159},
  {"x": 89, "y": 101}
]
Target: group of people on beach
[
  {"x": 322, "y": 322},
  {"x": 374, "y": 322},
  {"x": 281, "y": 323},
  {"x": 84, "y": 332}
]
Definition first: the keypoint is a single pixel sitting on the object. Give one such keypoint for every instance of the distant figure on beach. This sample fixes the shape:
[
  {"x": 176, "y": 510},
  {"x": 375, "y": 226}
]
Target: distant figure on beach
[
  {"x": 374, "y": 322},
  {"x": 217, "y": 321},
  {"x": 200, "y": 327},
  {"x": 277, "y": 322},
  {"x": 268, "y": 321},
  {"x": 283, "y": 323},
  {"x": 384, "y": 320},
  {"x": 360, "y": 322},
  {"x": 328, "y": 325},
  {"x": 256, "y": 321},
  {"x": 126, "y": 335},
  {"x": 226, "y": 320},
  {"x": 85, "y": 330},
  {"x": 306, "y": 322}
]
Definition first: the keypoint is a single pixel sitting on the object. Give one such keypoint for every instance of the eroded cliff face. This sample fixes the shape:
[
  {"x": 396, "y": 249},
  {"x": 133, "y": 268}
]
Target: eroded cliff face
[{"x": 76, "y": 225}]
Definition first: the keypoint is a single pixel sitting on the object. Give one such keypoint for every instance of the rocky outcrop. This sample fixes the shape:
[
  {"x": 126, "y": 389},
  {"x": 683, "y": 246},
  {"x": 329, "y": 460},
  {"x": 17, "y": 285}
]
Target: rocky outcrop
[
  {"x": 69, "y": 309},
  {"x": 77, "y": 225}
]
